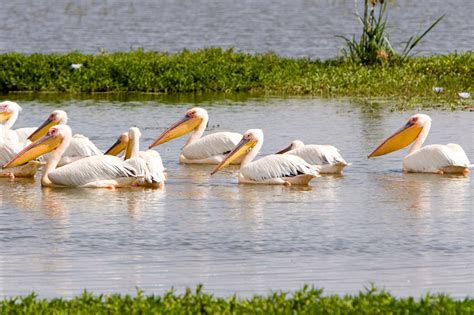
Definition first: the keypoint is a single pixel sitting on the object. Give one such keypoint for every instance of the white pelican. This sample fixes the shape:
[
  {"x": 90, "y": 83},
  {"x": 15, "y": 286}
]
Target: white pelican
[
  {"x": 209, "y": 149},
  {"x": 434, "y": 158},
  {"x": 326, "y": 157},
  {"x": 271, "y": 169},
  {"x": 103, "y": 171},
  {"x": 9, "y": 112},
  {"x": 80, "y": 145},
  {"x": 9, "y": 142},
  {"x": 129, "y": 142}
]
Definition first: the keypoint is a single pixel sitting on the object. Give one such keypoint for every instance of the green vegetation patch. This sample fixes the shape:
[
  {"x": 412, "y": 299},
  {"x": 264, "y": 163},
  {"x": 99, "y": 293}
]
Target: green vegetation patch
[
  {"x": 305, "y": 301},
  {"x": 219, "y": 70}
]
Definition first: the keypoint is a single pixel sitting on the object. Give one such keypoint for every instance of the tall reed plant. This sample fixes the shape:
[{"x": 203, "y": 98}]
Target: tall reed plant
[{"x": 374, "y": 46}]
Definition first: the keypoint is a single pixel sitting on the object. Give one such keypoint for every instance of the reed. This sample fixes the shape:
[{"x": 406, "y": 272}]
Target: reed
[{"x": 373, "y": 46}]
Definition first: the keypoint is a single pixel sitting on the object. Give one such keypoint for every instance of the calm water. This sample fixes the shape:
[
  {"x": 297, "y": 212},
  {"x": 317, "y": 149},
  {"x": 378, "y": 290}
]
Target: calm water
[
  {"x": 294, "y": 28},
  {"x": 408, "y": 233}
]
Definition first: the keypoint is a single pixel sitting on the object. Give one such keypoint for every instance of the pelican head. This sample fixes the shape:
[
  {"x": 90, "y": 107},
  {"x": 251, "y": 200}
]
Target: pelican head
[
  {"x": 119, "y": 145},
  {"x": 8, "y": 109},
  {"x": 193, "y": 118},
  {"x": 58, "y": 117},
  {"x": 134, "y": 135},
  {"x": 293, "y": 145},
  {"x": 404, "y": 136},
  {"x": 49, "y": 142},
  {"x": 249, "y": 140}
]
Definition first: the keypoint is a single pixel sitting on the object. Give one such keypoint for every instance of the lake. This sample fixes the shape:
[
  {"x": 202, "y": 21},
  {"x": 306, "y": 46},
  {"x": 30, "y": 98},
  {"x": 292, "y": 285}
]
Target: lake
[
  {"x": 298, "y": 28},
  {"x": 408, "y": 233}
]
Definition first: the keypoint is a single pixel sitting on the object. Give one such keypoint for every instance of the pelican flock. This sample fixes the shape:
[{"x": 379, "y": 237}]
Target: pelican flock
[
  {"x": 129, "y": 142},
  {"x": 79, "y": 146},
  {"x": 74, "y": 161},
  {"x": 95, "y": 171},
  {"x": 11, "y": 142},
  {"x": 271, "y": 169}
]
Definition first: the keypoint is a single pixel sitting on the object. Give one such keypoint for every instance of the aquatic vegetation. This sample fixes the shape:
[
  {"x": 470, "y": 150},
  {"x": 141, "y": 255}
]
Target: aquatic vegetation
[
  {"x": 304, "y": 301},
  {"x": 374, "y": 46},
  {"x": 227, "y": 71}
]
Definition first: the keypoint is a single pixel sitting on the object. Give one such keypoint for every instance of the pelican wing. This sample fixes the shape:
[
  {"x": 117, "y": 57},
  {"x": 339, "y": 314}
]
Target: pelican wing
[
  {"x": 141, "y": 168},
  {"x": 278, "y": 166},
  {"x": 214, "y": 144},
  {"x": 24, "y": 133},
  {"x": 91, "y": 169},
  {"x": 81, "y": 146},
  {"x": 435, "y": 157},
  {"x": 319, "y": 154},
  {"x": 7, "y": 151},
  {"x": 154, "y": 164}
]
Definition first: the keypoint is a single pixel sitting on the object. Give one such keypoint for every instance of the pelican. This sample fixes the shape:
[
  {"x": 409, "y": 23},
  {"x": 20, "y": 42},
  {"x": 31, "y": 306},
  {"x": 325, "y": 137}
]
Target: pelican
[
  {"x": 129, "y": 142},
  {"x": 102, "y": 171},
  {"x": 326, "y": 157},
  {"x": 9, "y": 112},
  {"x": 9, "y": 142},
  {"x": 209, "y": 149},
  {"x": 434, "y": 158},
  {"x": 274, "y": 169},
  {"x": 80, "y": 145}
]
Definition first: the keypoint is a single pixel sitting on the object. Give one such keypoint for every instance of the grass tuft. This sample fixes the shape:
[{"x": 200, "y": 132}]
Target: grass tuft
[{"x": 374, "y": 45}]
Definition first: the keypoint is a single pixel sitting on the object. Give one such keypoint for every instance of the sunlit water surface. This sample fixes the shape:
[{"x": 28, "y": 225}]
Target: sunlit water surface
[
  {"x": 294, "y": 28},
  {"x": 409, "y": 233}
]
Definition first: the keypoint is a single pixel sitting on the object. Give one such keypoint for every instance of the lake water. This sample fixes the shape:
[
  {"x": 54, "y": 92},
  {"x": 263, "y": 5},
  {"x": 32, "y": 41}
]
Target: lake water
[
  {"x": 294, "y": 28},
  {"x": 409, "y": 233}
]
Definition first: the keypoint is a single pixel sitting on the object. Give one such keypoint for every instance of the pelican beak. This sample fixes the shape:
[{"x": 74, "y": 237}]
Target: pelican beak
[
  {"x": 128, "y": 152},
  {"x": 42, "y": 130},
  {"x": 242, "y": 148},
  {"x": 4, "y": 116},
  {"x": 288, "y": 148},
  {"x": 400, "y": 139},
  {"x": 178, "y": 129},
  {"x": 44, "y": 145},
  {"x": 117, "y": 147}
]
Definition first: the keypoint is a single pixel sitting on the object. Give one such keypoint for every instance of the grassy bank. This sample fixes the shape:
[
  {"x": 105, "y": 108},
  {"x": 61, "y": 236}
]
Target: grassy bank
[
  {"x": 305, "y": 301},
  {"x": 218, "y": 70}
]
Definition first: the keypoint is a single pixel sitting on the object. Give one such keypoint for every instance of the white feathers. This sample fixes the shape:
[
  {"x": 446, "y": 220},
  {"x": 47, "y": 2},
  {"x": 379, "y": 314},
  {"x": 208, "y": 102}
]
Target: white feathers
[
  {"x": 7, "y": 151},
  {"x": 214, "y": 144},
  {"x": 319, "y": 154},
  {"x": 277, "y": 166},
  {"x": 81, "y": 146},
  {"x": 155, "y": 166},
  {"x": 92, "y": 169},
  {"x": 24, "y": 133},
  {"x": 435, "y": 158}
]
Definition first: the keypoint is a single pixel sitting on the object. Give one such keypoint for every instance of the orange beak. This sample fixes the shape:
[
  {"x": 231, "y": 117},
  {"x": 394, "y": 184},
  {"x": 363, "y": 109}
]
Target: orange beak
[
  {"x": 178, "y": 129},
  {"x": 42, "y": 130},
  {"x": 242, "y": 148},
  {"x": 44, "y": 145},
  {"x": 400, "y": 139}
]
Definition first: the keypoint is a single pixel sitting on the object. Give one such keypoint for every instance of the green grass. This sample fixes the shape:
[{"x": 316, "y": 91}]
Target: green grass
[
  {"x": 227, "y": 71},
  {"x": 305, "y": 301}
]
